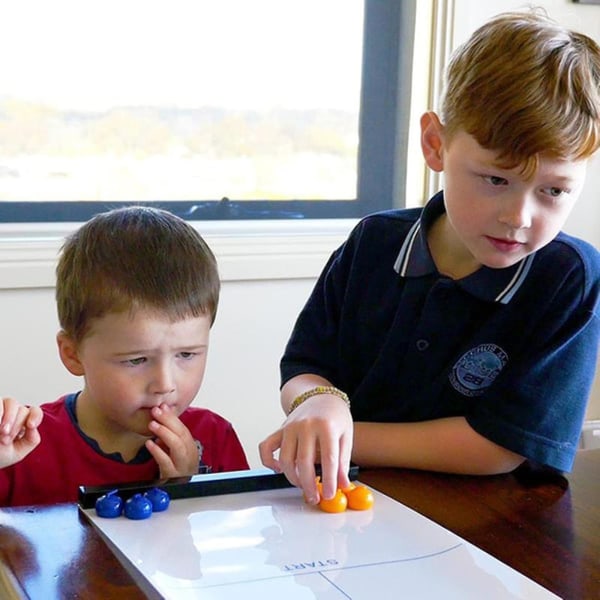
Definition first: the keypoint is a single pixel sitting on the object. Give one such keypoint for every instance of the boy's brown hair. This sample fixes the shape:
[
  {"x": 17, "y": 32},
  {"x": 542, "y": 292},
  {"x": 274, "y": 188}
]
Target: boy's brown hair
[
  {"x": 132, "y": 258},
  {"x": 523, "y": 85}
]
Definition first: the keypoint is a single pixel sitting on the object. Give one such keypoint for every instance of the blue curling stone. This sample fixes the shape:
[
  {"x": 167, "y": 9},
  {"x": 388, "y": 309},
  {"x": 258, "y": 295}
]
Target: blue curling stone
[
  {"x": 137, "y": 507},
  {"x": 159, "y": 499},
  {"x": 110, "y": 505}
]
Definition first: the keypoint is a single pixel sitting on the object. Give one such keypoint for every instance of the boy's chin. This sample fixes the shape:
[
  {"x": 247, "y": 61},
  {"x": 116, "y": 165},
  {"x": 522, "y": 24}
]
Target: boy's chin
[
  {"x": 139, "y": 426},
  {"x": 504, "y": 261}
]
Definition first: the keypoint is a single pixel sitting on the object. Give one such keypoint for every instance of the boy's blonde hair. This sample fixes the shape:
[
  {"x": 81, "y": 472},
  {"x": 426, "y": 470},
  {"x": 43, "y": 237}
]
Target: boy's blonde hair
[
  {"x": 522, "y": 85},
  {"x": 131, "y": 258}
]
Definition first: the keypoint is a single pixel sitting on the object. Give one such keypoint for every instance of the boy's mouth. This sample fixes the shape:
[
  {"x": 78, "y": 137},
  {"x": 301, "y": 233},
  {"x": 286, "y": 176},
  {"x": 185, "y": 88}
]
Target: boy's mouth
[{"x": 504, "y": 245}]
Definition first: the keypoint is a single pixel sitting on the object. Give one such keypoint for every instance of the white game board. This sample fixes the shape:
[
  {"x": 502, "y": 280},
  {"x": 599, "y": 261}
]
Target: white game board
[{"x": 271, "y": 545}]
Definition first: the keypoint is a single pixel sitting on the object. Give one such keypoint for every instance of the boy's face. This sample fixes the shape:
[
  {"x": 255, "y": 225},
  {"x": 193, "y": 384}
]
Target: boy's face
[
  {"x": 132, "y": 363},
  {"x": 495, "y": 217}
]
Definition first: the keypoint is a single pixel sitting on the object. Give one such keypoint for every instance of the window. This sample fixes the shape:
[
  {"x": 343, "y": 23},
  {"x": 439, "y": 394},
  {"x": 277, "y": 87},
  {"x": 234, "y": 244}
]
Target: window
[{"x": 234, "y": 109}]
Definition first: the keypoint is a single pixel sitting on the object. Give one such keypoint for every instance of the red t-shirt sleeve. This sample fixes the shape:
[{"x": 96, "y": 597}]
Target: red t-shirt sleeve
[{"x": 221, "y": 447}]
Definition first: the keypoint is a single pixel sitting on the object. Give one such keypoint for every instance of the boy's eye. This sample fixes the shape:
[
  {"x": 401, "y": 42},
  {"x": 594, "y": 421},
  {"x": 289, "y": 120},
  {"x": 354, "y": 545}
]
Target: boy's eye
[
  {"x": 495, "y": 180},
  {"x": 555, "y": 192},
  {"x": 136, "y": 361},
  {"x": 187, "y": 355}
]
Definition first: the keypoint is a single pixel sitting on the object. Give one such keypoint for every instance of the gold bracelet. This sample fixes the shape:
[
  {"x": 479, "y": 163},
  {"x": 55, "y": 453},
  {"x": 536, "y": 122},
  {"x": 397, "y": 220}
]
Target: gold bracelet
[{"x": 320, "y": 389}]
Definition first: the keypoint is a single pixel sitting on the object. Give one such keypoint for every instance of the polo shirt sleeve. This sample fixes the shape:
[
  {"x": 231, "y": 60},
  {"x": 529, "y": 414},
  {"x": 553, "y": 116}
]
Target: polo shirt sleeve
[
  {"x": 313, "y": 346},
  {"x": 537, "y": 405}
]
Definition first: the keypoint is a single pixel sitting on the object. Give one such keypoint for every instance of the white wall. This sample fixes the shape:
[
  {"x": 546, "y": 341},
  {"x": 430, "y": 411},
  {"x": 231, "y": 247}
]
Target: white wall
[{"x": 242, "y": 379}]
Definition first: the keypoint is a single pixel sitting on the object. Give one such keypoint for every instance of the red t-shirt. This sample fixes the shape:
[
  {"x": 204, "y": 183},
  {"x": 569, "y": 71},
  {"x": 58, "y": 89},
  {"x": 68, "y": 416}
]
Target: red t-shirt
[{"x": 65, "y": 459}]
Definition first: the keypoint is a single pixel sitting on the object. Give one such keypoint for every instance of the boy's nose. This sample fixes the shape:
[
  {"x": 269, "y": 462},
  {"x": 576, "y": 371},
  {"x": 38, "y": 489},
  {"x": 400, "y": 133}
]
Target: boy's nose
[
  {"x": 516, "y": 213},
  {"x": 162, "y": 380}
]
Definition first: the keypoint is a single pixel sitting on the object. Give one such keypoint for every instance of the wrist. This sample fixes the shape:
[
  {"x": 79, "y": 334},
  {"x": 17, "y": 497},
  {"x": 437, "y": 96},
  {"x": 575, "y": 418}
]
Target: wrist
[{"x": 317, "y": 391}]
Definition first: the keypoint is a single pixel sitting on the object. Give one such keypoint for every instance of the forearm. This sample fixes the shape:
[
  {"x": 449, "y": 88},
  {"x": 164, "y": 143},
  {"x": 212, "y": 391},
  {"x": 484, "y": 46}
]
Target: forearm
[{"x": 448, "y": 445}]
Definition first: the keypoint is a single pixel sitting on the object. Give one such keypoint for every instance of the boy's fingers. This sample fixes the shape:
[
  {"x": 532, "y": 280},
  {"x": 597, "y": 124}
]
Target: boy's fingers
[
  {"x": 35, "y": 417},
  {"x": 31, "y": 438},
  {"x": 9, "y": 409},
  {"x": 170, "y": 439},
  {"x": 162, "y": 458},
  {"x": 174, "y": 449},
  {"x": 16, "y": 428},
  {"x": 17, "y": 418},
  {"x": 267, "y": 449},
  {"x": 344, "y": 462},
  {"x": 166, "y": 416},
  {"x": 169, "y": 428}
]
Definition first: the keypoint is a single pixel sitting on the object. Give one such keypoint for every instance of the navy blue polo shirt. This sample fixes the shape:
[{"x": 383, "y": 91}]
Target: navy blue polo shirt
[{"x": 513, "y": 350}]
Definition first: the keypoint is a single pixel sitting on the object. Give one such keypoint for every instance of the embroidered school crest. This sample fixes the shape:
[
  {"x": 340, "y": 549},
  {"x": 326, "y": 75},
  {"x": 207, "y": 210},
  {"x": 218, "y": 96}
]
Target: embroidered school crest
[{"x": 476, "y": 369}]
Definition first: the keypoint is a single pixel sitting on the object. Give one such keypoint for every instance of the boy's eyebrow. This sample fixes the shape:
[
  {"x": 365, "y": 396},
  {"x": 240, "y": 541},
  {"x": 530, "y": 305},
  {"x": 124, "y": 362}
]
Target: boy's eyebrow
[
  {"x": 484, "y": 165},
  {"x": 561, "y": 177},
  {"x": 558, "y": 178},
  {"x": 149, "y": 351}
]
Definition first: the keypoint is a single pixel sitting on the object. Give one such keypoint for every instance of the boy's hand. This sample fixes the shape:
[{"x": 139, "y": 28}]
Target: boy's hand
[
  {"x": 19, "y": 433},
  {"x": 175, "y": 451},
  {"x": 320, "y": 430}
]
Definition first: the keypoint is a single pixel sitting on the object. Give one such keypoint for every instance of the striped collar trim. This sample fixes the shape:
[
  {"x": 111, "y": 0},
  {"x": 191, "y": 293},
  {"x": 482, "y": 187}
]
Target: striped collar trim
[
  {"x": 492, "y": 285},
  {"x": 401, "y": 264},
  {"x": 505, "y": 296}
]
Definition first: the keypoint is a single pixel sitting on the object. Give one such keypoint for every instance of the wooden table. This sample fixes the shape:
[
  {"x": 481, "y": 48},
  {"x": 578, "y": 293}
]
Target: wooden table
[{"x": 548, "y": 528}]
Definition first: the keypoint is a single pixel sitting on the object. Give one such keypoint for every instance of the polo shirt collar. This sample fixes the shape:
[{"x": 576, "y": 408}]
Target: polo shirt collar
[{"x": 493, "y": 285}]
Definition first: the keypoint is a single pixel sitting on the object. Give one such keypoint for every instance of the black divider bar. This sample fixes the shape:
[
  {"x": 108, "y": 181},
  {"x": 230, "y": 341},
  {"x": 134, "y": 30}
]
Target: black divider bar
[{"x": 211, "y": 484}]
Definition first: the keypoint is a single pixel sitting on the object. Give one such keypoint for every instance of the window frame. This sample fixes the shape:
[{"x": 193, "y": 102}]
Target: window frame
[{"x": 388, "y": 41}]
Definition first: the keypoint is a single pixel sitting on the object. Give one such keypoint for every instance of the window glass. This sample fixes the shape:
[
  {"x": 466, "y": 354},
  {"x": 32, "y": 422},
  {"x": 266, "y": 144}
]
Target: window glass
[{"x": 180, "y": 100}]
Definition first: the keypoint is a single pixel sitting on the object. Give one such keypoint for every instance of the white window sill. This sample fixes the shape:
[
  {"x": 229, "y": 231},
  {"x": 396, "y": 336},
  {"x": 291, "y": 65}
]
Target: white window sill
[{"x": 245, "y": 250}]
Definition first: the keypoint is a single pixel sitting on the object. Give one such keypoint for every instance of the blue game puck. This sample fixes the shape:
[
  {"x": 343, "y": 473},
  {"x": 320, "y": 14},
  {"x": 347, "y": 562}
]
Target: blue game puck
[
  {"x": 159, "y": 499},
  {"x": 137, "y": 507},
  {"x": 110, "y": 505}
]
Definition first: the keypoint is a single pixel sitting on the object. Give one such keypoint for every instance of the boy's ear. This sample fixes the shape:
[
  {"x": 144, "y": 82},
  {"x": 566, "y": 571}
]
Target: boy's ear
[
  {"x": 432, "y": 141},
  {"x": 67, "y": 350}
]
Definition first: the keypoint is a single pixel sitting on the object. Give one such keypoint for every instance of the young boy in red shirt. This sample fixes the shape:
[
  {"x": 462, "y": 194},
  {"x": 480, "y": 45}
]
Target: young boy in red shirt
[{"x": 137, "y": 293}]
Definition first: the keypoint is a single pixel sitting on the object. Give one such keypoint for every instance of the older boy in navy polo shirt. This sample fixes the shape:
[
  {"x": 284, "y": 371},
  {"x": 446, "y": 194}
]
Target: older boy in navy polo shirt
[{"x": 463, "y": 336}]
